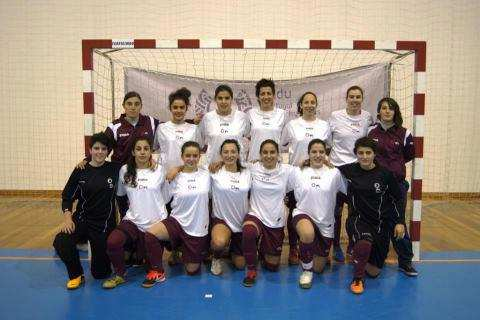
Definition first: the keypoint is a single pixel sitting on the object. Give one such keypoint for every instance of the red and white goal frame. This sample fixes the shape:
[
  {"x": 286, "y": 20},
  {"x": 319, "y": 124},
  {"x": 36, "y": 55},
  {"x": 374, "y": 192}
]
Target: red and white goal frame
[{"x": 419, "y": 48}]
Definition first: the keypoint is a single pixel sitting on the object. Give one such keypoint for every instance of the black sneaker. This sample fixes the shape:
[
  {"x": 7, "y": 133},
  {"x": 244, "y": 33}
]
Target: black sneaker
[
  {"x": 408, "y": 270},
  {"x": 249, "y": 280}
]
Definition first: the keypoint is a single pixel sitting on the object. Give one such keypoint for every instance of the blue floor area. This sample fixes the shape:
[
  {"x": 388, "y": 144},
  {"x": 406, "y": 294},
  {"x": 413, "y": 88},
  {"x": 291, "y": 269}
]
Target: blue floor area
[{"x": 34, "y": 289}]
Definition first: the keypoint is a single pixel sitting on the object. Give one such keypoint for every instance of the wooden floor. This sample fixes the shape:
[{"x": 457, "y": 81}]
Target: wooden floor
[{"x": 27, "y": 223}]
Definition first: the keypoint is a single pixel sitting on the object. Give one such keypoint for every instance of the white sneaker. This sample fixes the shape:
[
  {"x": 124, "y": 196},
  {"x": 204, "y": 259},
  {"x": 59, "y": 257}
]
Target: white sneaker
[
  {"x": 305, "y": 280},
  {"x": 216, "y": 268}
]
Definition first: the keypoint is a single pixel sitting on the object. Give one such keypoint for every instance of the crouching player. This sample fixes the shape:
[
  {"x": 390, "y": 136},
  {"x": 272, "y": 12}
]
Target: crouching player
[{"x": 375, "y": 200}]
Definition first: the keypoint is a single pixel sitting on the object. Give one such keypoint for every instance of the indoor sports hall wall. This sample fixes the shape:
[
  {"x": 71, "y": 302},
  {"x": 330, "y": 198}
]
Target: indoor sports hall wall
[{"x": 41, "y": 121}]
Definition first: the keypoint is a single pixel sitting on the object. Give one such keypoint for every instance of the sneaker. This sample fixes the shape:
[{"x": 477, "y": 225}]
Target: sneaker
[
  {"x": 293, "y": 259},
  {"x": 175, "y": 258},
  {"x": 249, "y": 280},
  {"x": 152, "y": 278},
  {"x": 305, "y": 280},
  {"x": 408, "y": 269},
  {"x": 338, "y": 254},
  {"x": 357, "y": 285},
  {"x": 216, "y": 267},
  {"x": 113, "y": 282},
  {"x": 74, "y": 283}
]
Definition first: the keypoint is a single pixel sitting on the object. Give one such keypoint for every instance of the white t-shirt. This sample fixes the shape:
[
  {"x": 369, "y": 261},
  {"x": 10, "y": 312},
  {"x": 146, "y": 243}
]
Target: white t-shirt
[
  {"x": 346, "y": 130},
  {"x": 316, "y": 192},
  {"x": 298, "y": 133},
  {"x": 215, "y": 129},
  {"x": 230, "y": 196},
  {"x": 264, "y": 125},
  {"x": 169, "y": 139},
  {"x": 146, "y": 201},
  {"x": 268, "y": 191},
  {"x": 190, "y": 201}
]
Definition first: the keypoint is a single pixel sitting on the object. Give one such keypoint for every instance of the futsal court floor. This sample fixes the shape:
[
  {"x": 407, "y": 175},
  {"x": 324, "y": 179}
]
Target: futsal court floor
[{"x": 32, "y": 281}]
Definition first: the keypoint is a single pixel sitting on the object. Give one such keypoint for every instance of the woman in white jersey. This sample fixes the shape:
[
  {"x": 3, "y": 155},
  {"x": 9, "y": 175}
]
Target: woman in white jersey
[
  {"x": 143, "y": 187},
  {"x": 316, "y": 187},
  {"x": 266, "y": 218},
  {"x": 266, "y": 122},
  {"x": 297, "y": 135},
  {"x": 347, "y": 125},
  {"x": 171, "y": 135},
  {"x": 230, "y": 188},
  {"x": 223, "y": 123},
  {"x": 187, "y": 225}
]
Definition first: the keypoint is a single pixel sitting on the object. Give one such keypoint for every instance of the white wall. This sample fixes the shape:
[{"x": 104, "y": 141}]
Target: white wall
[{"x": 41, "y": 81}]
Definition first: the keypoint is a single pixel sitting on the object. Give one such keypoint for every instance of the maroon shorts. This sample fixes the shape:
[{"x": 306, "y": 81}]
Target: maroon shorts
[
  {"x": 235, "y": 239},
  {"x": 135, "y": 238},
  {"x": 194, "y": 249},
  {"x": 271, "y": 239},
  {"x": 322, "y": 243}
]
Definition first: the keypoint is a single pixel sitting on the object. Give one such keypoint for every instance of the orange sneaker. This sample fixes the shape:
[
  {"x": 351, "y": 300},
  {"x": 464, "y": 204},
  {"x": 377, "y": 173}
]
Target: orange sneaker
[
  {"x": 152, "y": 278},
  {"x": 357, "y": 285}
]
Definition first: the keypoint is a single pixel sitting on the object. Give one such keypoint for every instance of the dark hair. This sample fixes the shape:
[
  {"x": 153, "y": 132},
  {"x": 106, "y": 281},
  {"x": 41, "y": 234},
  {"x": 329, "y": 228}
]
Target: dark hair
[
  {"x": 131, "y": 94},
  {"x": 235, "y": 142},
  {"x": 392, "y": 104},
  {"x": 130, "y": 176},
  {"x": 299, "y": 102},
  {"x": 354, "y": 88},
  {"x": 190, "y": 144},
  {"x": 275, "y": 144},
  {"x": 223, "y": 87},
  {"x": 102, "y": 138},
  {"x": 365, "y": 142},
  {"x": 264, "y": 83},
  {"x": 315, "y": 141},
  {"x": 181, "y": 94}
]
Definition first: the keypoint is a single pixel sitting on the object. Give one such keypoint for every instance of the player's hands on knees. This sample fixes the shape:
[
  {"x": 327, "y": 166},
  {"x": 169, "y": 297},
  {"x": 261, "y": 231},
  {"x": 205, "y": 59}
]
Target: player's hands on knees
[
  {"x": 399, "y": 231},
  {"x": 68, "y": 224},
  {"x": 81, "y": 165}
]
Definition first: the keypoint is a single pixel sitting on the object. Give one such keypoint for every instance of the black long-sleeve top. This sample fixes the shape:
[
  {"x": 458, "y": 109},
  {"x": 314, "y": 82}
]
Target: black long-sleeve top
[
  {"x": 94, "y": 188},
  {"x": 374, "y": 195}
]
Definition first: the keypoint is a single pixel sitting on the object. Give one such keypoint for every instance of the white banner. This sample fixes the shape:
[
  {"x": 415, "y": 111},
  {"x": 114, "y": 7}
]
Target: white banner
[{"x": 154, "y": 88}]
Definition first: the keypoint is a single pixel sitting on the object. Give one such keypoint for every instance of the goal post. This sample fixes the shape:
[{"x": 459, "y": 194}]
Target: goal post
[{"x": 105, "y": 60}]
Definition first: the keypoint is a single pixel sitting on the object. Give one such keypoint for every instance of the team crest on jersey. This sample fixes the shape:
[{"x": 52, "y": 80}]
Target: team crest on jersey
[
  {"x": 378, "y": 188},
  {"x": 202, "y": 102},
  {"x": 243, "y": 101}
]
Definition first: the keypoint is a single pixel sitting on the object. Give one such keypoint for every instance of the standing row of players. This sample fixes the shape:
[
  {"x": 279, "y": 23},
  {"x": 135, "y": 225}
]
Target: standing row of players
[{"x": 237, "y": 221}]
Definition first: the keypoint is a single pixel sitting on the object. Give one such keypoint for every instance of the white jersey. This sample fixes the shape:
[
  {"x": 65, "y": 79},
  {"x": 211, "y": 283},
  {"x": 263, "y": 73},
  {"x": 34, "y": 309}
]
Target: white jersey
[
  {"x": 215, "y": 129},
  {"x": 298, "y": 133},
  {"x": 230, "y": 196},
  {"x": 146, "y": 201},
  {"x": 347, "y": 129},
  {"x": 268, "y": 191},
  {"x": 264, "y": 125},
  {"x": 316, "y": 191},
  {"x": 169, "y": 139},
  {"x": 190, "y": 201}
]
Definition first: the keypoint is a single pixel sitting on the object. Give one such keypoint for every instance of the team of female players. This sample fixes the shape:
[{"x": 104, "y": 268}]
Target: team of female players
[{"x": 234, "y": 203}]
